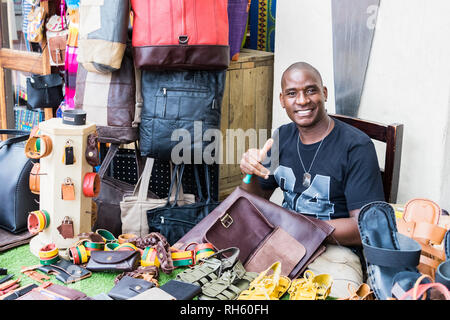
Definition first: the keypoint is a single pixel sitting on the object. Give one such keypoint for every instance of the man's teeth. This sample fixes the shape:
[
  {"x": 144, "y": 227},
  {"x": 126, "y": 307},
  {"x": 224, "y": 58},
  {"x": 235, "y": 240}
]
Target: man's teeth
[{"x": 302, "y": 113}]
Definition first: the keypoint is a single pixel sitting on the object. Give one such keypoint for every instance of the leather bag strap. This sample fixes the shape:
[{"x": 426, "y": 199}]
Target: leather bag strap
[
  {"x": 113, "y": 148},
  {"x": 141, "y": 188},
  {"x": 21, "y": 136}
]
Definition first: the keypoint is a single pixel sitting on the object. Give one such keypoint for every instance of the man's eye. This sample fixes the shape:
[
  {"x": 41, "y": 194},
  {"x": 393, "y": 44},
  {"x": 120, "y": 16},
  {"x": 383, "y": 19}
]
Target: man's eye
[
  {"x": 291, "y": 94},
  {"x": 311, "y": 91}
]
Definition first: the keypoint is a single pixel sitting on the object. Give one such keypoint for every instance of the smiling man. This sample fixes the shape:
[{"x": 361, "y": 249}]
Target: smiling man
[{"x": 327, "y": 169}]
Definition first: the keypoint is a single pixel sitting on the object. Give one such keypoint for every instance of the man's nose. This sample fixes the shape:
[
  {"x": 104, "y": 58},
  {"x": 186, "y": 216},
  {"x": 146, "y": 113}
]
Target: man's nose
[{"x": 302, "y": 98}]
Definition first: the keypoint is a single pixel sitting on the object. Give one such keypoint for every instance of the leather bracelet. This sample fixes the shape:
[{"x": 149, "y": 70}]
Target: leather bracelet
[
  {"x": 126, "y": 237},
  {"x": 126, "y": 247},
  {"x": 106, "y": 235},
  {"x": 47, "y": 262},
  {"x": 149, "y": 258},
  {"x": 37, "y": 221},
  {"x": 111, "y": 246},
  {"x": 183, "y": 258},
  {"x": 203, "y": 250},
  {"x": 78, "y": 254},
  {"x": 94, "y": 246},
  {"x": 91, "y": 185},
  {"x": 49, "y": 251},
  {"x": 45, "y": 147}
]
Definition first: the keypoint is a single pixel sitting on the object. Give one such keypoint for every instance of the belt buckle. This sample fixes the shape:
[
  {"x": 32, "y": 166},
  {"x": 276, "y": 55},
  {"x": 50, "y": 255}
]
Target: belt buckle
[{"x": 226, "y": 220}]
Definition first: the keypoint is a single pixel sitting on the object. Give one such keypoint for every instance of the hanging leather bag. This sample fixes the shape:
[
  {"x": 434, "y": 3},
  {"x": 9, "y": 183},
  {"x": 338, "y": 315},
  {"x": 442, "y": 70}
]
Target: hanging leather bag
[
  {"x": 181, "y": 34},
  {"x": 15, "y": 196},
  {"x": 44, "y": 91}
]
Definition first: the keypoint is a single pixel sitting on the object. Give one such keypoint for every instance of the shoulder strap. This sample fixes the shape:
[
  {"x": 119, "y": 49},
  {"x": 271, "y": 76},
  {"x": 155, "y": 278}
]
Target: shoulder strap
[{"x": 21, "y": 136}]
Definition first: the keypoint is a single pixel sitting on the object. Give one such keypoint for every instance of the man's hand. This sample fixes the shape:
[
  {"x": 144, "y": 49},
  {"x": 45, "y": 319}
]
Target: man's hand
[{"x": 251, "y": 160}]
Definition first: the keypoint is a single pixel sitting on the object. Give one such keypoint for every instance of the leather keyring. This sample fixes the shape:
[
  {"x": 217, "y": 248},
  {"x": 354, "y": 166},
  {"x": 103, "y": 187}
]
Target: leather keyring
[
  {"x": 35, "y": 180},
  {"x": 91, "y": 185},
  {"x": 44, "y": 146}
]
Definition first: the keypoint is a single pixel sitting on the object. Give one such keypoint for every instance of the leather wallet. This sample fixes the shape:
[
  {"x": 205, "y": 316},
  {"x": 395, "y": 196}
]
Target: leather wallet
[
  {"x": 154, "y": 293},
  {"x": 66, "y": 271},
  {"x": 129, "y": 287},
  {"x": 181, "y": 290},
  {"x": 113, "y": 261},
  {"x": 52, "y": 291}
]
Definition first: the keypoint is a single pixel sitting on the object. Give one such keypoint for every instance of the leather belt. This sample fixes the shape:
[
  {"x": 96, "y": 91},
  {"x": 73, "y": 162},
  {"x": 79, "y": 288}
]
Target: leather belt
[
  {"x": 91, "y": 185},
  {"x": 38, "y": 146},
  {"x": 35, "y": 180},
  {"x": 183, "y": 258},
  {"x": 37, "y": 221},
  {"x": 201, "y": 250}
]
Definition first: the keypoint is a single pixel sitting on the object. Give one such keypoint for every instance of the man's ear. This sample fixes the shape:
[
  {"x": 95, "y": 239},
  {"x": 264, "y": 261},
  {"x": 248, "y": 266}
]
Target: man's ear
[
  {"x": 281, "y": 100},
  {"x": 325, "y": 93}
]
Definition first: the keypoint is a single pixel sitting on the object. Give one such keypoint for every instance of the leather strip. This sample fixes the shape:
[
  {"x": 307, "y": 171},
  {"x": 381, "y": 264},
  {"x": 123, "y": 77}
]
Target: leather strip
[
  {"x": 198, "y": 57},
  {"x": 408, "y": 256},
  {"x": 91, "y": 185}
]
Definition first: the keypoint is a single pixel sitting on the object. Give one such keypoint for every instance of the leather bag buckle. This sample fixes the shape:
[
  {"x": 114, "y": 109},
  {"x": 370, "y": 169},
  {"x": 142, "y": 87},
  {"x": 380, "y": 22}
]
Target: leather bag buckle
[
  {"x": 226, "y": 220},
  {"x": 183, "y": 39}
]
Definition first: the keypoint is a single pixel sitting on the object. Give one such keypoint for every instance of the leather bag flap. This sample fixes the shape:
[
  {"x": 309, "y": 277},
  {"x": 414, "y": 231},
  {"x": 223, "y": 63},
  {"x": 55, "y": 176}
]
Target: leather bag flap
[
  {"x": 111, "y": 257},
  {"x": 45, "y": 81}
]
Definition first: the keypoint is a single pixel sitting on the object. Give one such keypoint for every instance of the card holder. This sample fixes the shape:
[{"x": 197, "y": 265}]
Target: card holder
[
  {"x": 278, "y": 246},
  {"x": 181, "y": 290}
]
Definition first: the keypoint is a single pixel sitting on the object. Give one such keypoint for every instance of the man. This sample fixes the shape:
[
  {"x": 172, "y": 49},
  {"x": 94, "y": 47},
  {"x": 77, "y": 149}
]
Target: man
[{"x": 327, "y": 169}]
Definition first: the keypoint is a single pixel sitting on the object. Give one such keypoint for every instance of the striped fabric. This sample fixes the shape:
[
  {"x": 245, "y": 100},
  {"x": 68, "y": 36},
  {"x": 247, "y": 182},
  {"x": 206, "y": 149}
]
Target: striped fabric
[{"x": 71, "y": 62}]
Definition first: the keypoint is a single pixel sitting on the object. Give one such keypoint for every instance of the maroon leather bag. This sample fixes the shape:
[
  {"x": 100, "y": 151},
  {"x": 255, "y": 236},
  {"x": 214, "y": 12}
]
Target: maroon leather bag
[{"x": 310, "y": 232}]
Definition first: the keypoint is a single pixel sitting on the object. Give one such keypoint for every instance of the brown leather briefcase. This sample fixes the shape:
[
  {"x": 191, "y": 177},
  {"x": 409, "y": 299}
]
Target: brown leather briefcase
[{"x": 309, "y": 232}]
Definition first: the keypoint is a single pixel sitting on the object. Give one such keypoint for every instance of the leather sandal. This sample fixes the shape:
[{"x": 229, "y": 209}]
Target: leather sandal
[
  {"x": 386, "y": 251},
  {"x": 210, "y": 268},
  {"x": 443, "y": 270},
  {"x": 271, "y": 287},
  {"x": 420, "y": 222},
  {"x": 229, "y": 285},
  {"x": 362, "y": 293},
  {"x": 311, "y": 287},
  {"x": 423, "y": 288}
]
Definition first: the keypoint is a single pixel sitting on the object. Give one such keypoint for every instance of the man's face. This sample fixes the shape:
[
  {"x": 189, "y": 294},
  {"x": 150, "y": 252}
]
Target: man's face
[{"x": 303, "y": 96}]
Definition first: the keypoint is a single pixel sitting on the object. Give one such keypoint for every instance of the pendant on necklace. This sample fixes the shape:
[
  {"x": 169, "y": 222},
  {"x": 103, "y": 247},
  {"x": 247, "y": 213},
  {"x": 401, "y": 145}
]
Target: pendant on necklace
[{"x": 306, "y": 180}]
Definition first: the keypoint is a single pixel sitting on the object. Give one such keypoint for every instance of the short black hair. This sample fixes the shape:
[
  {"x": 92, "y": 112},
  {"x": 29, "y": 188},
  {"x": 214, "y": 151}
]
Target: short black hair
[{"x": 301, "y": 66}]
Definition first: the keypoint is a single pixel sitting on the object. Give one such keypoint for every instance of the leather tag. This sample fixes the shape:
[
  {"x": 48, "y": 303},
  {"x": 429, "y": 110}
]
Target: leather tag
[
  {"x": 68, "y": 156},
  {"x": 68, "y": 190},
  {"x": 66, "y": 228}
]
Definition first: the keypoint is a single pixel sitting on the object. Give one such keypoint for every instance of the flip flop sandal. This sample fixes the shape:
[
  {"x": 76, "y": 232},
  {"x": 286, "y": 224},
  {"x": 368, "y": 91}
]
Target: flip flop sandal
[
  {"x": 311, "y": 287},
  {"x": 210, "y": 268},
  {"x": 386, "y": 251},
  {"x": 229, "y": 285},
  {"x": 420, "y": 222},
  {"x": 443, "y": 270},
  {"x": 271, "y": 287},
  {"x": 362, "y": 293},
  {"x": 424, "y": 291}
]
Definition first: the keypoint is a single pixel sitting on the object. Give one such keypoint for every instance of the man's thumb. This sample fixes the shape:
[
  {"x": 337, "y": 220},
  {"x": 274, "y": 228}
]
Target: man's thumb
[{"x": 265, "y": 149}]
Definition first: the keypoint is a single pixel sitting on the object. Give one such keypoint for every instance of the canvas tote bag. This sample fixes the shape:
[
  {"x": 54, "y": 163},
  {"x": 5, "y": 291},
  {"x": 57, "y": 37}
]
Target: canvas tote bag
[{"x": 134, "y": 207}]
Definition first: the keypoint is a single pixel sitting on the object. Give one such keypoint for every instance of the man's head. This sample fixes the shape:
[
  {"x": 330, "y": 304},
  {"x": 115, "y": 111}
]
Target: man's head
[{"x": 303, "y": 95}]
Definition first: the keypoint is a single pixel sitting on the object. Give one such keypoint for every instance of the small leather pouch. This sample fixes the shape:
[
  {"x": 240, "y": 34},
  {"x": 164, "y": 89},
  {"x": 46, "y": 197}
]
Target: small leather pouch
[
  {"x": 66, "y": 271},
  {"x": 35, "y": 180},
  {"x": 242, "y": 225},
  {"x": 92, "y": 154},
  {"x": 181, "y": 290},
  {"x": 67, "y": 190},
  {"x": 278, "y": 246},
  {"x": 153, "y": 294},
  {"x": 113, "y": 261},
  {"x": 66, "y": 228},
  {"x": 129, "y": 287}
]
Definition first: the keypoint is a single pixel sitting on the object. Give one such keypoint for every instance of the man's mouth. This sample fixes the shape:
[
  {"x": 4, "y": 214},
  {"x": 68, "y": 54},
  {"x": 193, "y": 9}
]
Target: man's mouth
[{"x": 303, "y": 112}]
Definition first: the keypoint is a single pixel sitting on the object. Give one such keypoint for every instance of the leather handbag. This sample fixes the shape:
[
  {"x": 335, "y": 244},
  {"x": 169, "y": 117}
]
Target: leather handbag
[
  {"x": 109, "y": 101},
  {"x": 185, "y": 34},
  {"x": 15, "y": 195},
  {"x": 173, "y": 220},
  {"x": 113, "y": 261},
  {"x": 134, "y": 207},
  {"x": 129, "y": 287},
  {"x": 102, "y": 34},
  {"x": 111, "y": 193},
  {"x": 310, "y": 232},
  {"x": 177, "y": 105},
  {"x": 44, "y": 91}
]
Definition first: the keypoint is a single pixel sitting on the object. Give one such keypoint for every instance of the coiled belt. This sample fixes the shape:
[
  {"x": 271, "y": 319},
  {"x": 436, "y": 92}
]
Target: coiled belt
[
  {"x": 48, "y": 254},
  {"x": 91, "y": 185},
  {"x": 38, "y": 146},
  {"x": 37, "y": 221}
]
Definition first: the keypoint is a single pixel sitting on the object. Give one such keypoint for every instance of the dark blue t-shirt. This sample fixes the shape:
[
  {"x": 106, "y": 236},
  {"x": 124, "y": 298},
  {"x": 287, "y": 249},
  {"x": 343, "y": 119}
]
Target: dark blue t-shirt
[{"x": 345, "y": 174}]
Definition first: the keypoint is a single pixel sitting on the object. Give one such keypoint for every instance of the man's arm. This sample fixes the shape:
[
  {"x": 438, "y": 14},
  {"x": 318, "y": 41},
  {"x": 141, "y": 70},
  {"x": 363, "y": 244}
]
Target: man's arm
[{"x": 346, "y": 232}]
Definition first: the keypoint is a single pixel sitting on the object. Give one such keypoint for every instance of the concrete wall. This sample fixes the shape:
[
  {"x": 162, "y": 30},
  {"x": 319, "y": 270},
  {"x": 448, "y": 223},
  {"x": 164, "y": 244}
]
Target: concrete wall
[{"x": 407, "y": 81}]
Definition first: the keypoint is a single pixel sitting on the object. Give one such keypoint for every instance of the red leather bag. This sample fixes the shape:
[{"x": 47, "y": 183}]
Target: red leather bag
[{"x": 180, "y": 34}]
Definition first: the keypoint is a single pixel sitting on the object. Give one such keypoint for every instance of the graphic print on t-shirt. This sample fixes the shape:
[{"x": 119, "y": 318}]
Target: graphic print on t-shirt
[{"x": 315, "y": 200}]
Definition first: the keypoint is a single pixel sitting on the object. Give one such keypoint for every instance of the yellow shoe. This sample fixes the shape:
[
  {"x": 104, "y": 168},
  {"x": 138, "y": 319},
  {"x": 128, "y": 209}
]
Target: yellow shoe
[{"x": 311, "y": 287}]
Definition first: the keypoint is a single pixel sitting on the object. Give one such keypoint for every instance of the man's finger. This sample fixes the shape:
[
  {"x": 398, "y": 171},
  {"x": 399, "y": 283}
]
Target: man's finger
[{"x": 265, "y": 149}]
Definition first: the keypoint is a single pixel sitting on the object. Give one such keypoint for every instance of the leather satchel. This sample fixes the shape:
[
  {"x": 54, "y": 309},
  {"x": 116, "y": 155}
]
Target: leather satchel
[
  {"x": 113, "y": 261},
  {"x": 129, "y": 287},
  {"x": 15, "y": 195},
  {"x": 310, "y": 232},
  {"x": 44, "y": 91}
]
